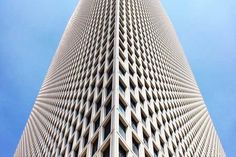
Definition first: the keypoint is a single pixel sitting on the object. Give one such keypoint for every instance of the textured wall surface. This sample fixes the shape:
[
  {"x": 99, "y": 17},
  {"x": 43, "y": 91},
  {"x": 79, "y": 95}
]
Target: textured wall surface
[{"x": 119, "y": 85}]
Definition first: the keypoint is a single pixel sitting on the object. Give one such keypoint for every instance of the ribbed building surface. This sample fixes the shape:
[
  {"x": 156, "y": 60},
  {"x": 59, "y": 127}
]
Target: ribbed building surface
[{"x": 119, "y": 86}]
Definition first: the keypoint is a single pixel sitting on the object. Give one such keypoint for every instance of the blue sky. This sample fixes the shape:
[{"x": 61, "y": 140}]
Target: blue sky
[{"x": 30, "y": 32}]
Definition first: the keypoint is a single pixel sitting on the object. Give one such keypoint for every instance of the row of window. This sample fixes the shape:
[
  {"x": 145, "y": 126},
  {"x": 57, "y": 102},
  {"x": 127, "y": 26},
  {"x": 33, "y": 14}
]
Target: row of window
[
  {"x": 78, "y": 68},
  {"x": 135, "y": 44},
  {"x": 135, "y": 143}
]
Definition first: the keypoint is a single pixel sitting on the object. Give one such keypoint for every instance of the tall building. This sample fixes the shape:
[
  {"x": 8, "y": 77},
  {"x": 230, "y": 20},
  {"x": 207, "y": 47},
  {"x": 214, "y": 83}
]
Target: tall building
[{"x": 119, "y": 85}]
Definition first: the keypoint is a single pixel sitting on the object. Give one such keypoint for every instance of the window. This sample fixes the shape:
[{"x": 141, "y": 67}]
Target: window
[
  {"x": 170, "y": 154},
  {"x": 140, "y": 85},
  {"x": 110, "y": 58},
  {"x": 92, "y": 86},
  {"x": 135, "y": 146},
  {"x": 122, "y": 87},
  {"x": 101, "y": 72},
  {"x": 163, "y": 120},
  {"x": 122, "y": 56},
  {"x": 162, "y": 142},
  {"x": 133, "y": 103},
  {"x": 95, "y": 146},
  {"x": 153, "y": 131},
  {"x": 146, "y": 154},
  {"x": 91, "y": 101},
  {"x": 106, "y": 152},
  {"x": 131, "y": 62},
  {"x": 138, "y": 72},
  {"x": 166, "y": 135},
  {"x": 86, "y": 139},
  {"x": 148, "y": 97},
  {"x": 131, "y": 71},
  {"x": 122, "y": 106},
  {"x": 122, "y": 70},
  {"x": 144, "y": 117},
  {"x": 76, "y": 152},
  {"x": 145, "y": 138},
  {"x": 94, "y": 73},
  {"x": 85, "y": 97},
  {"x": 158, "y": 124},
  {"x": 108, "y": 107},
  {"x": 132, "y": 85},
  {"x": 107, "y": 129},
  {"x": 73, "y": 127},
  {"x": 81, "y": 115},
  {"x": 122, "y": 152},
  {"x": 155, "y": 151},
  {"x": 88, "y": 118},
  {"x": 109, "y": 88},
  {"x": 141, "y": 99},
  {"x": 70, "y": 145},
  {"x": 96, "y": 124},
  {"x": 150, "y": 112},
  {"x": 109, "y": 72},
  {"x": 79, "y": 132},
  {"x": 100, "y": 86},
  {"x": 98, "y": 103},
  {"x": 156, "y": 109},
  {"x": 122, "y": 129},
  {"x": 134, "y": 124},
  {"x": 83, "y": 155},
  {"x": 102, "y": 60}
]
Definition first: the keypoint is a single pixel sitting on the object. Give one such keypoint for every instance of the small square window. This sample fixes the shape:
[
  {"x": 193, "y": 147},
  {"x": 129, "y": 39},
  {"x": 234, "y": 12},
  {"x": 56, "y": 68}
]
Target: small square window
[
  {"x": 109, "y": 88},
  {"x": 122, "y": 152},
  {"x": 145, "y": 138},
  {"x": 150, "y": 112},
  {"x": 133, "y": 103},
  {"x": 131, "y": 71},
  {"x": 122, "y": 70},
  {"x": 108, "y": 106},
  {"x": 81, "y": 115},
  {"x": 96, "y": 124},
  {"x": 155, "y": 151},
  {"x": 110, "y": 58},
  {"x": 122, "y": 87},
  {"x": 134, "y": 124},
  {"x": 86, "y": 139},
  {"x": 162, "y": 142},
  {"x": 135, "y": 146},
  {"x": 98, "y": 103},
  {"x": 132, "y": 85},
  {"x": 107, "y": 129},
  {"x": 95, "y": 146},
  {"x": 106, "y": 152},
  {"x": 144, "y": 117},
  {"x": 92, "y": 86},
  {"x": 122, "y": 129},
  {"x": 122, "y": 106},
  {"x": 158, "y": 124},
  {"x": 141, "y": 99},
  {"x": 76, "y": 151},
  {"x": 100, "y": 86},
  {"x": 88, "y": 118},
  {"x": 153, "y": 131},
  {"x": 79, "y": 132},
  {"x": 109, "y": 72}
]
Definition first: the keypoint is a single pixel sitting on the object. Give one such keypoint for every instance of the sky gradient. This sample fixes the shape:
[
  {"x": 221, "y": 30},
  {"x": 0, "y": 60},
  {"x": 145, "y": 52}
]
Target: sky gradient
[{"x": 31, "y": 30}]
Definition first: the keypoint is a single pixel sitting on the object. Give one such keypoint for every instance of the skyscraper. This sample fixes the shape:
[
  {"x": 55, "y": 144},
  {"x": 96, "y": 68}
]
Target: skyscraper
[{"x": 119, "y": 85}]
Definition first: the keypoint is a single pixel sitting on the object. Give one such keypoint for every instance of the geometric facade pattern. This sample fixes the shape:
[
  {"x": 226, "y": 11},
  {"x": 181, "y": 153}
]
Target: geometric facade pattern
[{"x": 119, "y": 85}]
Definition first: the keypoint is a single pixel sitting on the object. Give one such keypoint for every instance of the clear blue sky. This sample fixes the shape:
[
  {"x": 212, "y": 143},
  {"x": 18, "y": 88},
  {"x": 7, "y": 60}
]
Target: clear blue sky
[{"x": 30, "y": 32}]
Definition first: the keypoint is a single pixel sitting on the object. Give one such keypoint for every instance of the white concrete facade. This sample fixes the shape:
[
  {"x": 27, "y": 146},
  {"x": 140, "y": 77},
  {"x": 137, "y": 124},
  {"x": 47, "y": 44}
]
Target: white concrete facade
[{"x": 119, "y": 85}]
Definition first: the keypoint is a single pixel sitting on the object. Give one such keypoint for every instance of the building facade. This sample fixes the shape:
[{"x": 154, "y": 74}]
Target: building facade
[{"x": 119, "y": 85}]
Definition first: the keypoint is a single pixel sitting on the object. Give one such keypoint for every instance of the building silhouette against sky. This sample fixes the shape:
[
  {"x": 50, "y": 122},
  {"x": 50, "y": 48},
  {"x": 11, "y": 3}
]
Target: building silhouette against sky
[{"x": 119, "y": 85}]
